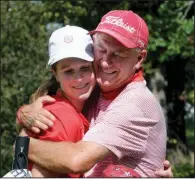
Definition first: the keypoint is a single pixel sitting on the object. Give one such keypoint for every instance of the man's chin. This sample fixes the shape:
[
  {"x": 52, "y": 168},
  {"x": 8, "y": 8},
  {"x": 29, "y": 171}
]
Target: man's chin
[
  {"x": 107, "y": 78},
  {"x": 105, "y": 86}
]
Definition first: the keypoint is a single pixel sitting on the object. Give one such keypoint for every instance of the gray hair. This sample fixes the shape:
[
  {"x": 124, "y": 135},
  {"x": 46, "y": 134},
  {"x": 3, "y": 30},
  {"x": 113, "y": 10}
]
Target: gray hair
[
  {"x": 96, "y": 38},
  {"x": 137, "y": 49}
]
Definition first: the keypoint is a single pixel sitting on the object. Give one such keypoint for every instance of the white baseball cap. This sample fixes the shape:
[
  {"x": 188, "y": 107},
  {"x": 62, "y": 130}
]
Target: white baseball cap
[{"x": 70, "y": 42}]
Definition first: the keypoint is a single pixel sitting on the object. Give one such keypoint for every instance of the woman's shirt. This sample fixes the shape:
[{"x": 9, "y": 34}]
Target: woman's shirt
[{"x": 69, "y": 125}]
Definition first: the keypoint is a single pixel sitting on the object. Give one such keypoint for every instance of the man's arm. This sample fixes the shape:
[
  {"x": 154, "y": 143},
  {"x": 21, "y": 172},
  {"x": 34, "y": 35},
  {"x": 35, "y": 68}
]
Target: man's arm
[
  {"x": 66, "y": 157},
  {"x": 40, "y": 172}
]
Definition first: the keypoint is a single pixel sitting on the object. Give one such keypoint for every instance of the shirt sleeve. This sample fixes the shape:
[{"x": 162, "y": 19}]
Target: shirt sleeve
[
  {"x": 123, "y": 130},
  {"x": 67, "y": 127}
]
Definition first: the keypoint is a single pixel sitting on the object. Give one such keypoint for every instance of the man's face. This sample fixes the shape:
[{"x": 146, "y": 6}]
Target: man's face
[{"x": 114, "y": 63}]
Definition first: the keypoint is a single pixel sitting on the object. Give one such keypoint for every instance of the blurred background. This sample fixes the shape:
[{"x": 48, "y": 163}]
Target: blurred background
[{"x": 169, "y": 68}]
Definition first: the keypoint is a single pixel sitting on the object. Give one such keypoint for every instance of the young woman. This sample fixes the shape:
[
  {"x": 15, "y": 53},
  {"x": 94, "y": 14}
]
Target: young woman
[{"x": 73, "y": 80}]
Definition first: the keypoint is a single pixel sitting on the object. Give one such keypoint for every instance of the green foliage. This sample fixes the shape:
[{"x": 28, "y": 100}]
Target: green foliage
[
  {"x": 171, "y": 32},
  {"x": 182, "y": 164},
  {"x": 25, "y": 29},
  {"x": 22, "y": 62},
  {"x": 183, "y": 170}
]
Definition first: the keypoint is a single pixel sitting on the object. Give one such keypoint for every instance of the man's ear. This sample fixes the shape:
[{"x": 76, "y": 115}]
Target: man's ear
[
  {"x": 54, "y": 74},
  {"x": 141, "y": 58}
]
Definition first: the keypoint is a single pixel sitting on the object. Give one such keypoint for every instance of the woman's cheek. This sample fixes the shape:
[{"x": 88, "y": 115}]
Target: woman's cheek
[
  {"x": 90, "y": 75},
  {"x": 64, "y": 81}
]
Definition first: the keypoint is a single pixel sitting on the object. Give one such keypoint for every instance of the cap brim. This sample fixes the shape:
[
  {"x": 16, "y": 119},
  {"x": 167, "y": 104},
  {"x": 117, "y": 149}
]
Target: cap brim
[
  {"x": 123, "y": 40},
  {"x": 59, "y": 57}
]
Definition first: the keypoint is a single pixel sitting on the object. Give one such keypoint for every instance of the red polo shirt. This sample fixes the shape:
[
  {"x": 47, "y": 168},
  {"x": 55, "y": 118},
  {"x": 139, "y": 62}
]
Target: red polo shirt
[{"x": 69, "y": 125}]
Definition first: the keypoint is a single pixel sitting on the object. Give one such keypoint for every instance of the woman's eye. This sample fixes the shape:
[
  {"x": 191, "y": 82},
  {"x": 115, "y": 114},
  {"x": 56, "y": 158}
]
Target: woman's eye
[
  {"x": 85, "y": 68},
  {"x": 68, "y": 72}
]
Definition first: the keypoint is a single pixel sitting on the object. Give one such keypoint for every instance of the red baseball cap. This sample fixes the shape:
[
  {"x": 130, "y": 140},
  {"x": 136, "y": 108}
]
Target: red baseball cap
[
  {"x": 126, "y": 27},
  {"x": 120, "y": 171}
]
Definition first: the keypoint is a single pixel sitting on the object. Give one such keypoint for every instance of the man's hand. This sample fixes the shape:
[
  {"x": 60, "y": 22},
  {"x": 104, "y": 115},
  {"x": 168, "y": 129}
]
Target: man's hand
[
  {"x": 167, "y": 172},
  {"x": 34, "y": 117}
]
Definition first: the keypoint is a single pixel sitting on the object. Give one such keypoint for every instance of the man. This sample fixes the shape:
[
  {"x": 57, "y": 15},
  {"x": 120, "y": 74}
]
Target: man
[{"x": 127, "y": 124}]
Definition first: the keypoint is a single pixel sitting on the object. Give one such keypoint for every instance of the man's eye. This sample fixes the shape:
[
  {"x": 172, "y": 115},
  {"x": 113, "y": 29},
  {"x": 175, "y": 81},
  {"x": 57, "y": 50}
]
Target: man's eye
[
  {"x": 118, "y": 55},
  {"x": 102, "y": 50}
]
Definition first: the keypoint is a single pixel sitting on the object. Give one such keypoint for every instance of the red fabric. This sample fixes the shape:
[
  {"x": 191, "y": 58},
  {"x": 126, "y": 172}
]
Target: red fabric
[
  {"x": 111, "y": 95},
  {"x": 125, "y": 26},
  {"x": 120, "y": 171},
  {"x": 69, "y": 124}
]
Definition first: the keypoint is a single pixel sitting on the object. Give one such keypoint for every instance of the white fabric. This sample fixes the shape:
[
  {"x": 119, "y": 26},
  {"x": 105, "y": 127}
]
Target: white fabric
[
  {"x": 19, "y": 173},
  {"x": 70, "y": 41}
]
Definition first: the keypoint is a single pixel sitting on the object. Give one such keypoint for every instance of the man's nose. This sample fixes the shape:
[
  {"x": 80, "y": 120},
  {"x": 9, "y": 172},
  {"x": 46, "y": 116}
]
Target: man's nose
[{"x": 106, "y": 60}]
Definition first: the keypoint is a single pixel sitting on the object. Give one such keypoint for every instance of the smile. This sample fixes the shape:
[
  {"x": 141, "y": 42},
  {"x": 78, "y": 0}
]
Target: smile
[
  {"x": 106, "y": 72},
  {"x": 81, "y": 86}
]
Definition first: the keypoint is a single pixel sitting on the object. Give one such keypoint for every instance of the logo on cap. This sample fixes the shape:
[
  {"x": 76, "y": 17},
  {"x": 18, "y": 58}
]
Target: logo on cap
[
  {"x": 118, "y": 22},
  {"x": 68, "y": 38}
]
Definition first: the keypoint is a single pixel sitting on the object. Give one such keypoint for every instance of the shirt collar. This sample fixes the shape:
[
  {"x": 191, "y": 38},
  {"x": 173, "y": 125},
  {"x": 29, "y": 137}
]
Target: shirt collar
[{"x": 111, "y": 95}]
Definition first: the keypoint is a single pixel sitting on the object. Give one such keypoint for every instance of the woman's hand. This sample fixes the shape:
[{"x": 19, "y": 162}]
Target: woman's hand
[{"x": 34, "y": 117}]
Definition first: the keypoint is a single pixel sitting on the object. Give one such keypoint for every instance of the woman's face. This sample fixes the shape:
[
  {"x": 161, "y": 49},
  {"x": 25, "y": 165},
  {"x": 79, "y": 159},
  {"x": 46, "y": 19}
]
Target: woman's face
[{"x": 76, "y": 78}]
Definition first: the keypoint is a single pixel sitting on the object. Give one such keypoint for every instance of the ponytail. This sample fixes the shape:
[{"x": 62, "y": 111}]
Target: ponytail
[{"x": 48, "y": 87}]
